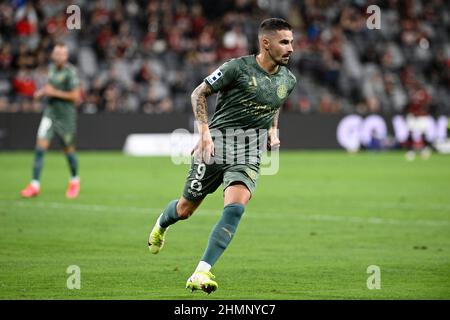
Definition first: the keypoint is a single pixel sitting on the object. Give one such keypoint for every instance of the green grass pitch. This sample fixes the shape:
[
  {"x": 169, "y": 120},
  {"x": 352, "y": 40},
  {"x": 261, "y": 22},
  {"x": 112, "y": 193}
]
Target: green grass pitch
[{"x": 310, "y": 232}]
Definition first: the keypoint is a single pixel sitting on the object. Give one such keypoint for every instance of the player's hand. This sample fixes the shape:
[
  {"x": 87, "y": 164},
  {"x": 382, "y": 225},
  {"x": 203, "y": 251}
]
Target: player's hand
[
  {"x": 38, "y": 94},
  {"x": 273, "y": 141},
  {"x": 49, "y": 90},
  {"x": 204, "y": 149}
]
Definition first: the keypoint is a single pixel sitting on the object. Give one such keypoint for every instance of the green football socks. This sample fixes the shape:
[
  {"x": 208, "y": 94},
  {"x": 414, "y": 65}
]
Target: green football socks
[
  {"x": 73, "y": 163},
  {"x": 38, "y": 163},
  {"x": 169, "y": 216},
  {"x": 223, "y": 232}
]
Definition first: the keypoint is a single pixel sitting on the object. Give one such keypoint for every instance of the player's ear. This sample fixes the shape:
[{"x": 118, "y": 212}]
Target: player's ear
[{"x": 265, "y": 43}]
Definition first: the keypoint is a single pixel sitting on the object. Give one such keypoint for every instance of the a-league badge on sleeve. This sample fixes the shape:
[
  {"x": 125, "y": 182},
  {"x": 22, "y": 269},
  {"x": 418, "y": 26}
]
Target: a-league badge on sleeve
[{"x": 216, "y": 75}]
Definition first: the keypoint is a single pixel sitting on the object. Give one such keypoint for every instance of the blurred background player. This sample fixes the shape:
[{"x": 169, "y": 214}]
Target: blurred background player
[
  {"x": 417, "y": 113},
  {"x": 59, "y": 118},
  {"x": 251, "y": 90}
]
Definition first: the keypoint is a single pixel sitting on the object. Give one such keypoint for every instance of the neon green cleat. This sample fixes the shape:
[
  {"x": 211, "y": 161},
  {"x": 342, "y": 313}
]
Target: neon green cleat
[
  {"x": 156, "y": 238},
  {"x": 202, "y": 280}
]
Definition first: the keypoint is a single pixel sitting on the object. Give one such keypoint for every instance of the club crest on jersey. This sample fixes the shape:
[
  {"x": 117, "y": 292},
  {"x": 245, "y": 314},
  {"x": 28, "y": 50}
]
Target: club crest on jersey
[
  {"x": 281, "y": 91},
  {"x": 216, "y": 75}
]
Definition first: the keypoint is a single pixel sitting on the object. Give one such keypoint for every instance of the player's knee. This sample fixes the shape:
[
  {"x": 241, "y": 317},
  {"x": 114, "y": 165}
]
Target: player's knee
[
  {"x": 184, "y": 212},
  {"x": 185, "y": 209},
  {"x": 42, "y": 144},
  {"x": 69, "y": 149}
]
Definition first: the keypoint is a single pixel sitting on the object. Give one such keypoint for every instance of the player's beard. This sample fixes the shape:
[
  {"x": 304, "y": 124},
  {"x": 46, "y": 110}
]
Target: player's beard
[
  {"x": 283, "y": 62},
  {"x": 280, "y": 61},
  {"x": 59, "y": 63}
]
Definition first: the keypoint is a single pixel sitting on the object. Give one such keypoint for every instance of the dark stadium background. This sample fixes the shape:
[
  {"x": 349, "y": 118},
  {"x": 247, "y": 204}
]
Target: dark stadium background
[{"x": 140, "y": 60}]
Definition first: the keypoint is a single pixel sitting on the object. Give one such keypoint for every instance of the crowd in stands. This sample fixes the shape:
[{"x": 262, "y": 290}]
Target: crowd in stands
[{"x": 148, "y": 55}]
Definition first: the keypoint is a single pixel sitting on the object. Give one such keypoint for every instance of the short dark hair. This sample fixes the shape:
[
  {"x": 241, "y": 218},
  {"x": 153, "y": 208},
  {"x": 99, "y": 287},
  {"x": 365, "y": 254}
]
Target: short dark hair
[{"x": 273, "y": 24}]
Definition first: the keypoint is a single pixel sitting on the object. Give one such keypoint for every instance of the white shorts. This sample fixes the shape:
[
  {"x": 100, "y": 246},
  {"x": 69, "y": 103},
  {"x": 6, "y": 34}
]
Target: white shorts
[{"x": 417, "y": 125}]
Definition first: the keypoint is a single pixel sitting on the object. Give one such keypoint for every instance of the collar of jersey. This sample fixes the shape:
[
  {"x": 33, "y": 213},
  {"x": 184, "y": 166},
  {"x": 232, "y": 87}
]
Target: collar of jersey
[{"x": 259, "y": 67}]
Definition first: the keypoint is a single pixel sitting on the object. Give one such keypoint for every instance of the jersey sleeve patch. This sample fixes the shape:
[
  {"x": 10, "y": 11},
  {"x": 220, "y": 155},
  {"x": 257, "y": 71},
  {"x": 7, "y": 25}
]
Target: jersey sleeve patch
[{"x": 213, "y": 77}]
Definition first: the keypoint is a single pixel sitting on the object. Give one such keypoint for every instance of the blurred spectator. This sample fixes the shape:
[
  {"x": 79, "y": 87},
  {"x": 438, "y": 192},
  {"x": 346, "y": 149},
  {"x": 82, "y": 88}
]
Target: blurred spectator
[
  {"x": 147, "y": 55},
  {"x": 26, "y": 28},
  {"x": 235, "y": 43}
]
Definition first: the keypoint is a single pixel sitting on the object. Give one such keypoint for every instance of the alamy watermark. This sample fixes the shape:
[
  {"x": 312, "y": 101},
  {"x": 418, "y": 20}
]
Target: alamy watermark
[
  {"x": 74, "y": 280},
  {"x": 374, "y": 280},
  {"x": 231, "y": 146},
  {"x": 374, "y": 20},
  {"x": 73, "y": 21}
]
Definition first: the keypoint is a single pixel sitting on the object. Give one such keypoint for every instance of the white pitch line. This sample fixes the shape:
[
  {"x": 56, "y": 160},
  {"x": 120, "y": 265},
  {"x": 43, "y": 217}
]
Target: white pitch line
[
  {"x": 78, "y": 206},
  {"x": 257, "y": 215}
]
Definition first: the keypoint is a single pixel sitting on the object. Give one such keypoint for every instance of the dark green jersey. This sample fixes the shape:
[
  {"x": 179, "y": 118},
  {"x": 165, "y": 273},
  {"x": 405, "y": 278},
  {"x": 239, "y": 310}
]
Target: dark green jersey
[
  {"x": 64, "y": 79},
  {"x": 60, "y": 115},
  {"x": 248, "y": 96},
  {"x": 247, "y": 102}
]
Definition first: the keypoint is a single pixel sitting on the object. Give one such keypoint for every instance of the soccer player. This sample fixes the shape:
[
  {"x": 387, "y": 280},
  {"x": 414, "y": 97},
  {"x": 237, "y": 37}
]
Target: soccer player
[
  {"x": 251, "y": 90},
  {"x": 417, "y": 112},
  {"x": 59, "y": 118}
]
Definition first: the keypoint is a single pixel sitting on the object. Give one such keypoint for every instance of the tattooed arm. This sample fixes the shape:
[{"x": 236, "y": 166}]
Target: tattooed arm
[
  {"x": 205, "y": 147},
  {"x": 198, "y": 100}
]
